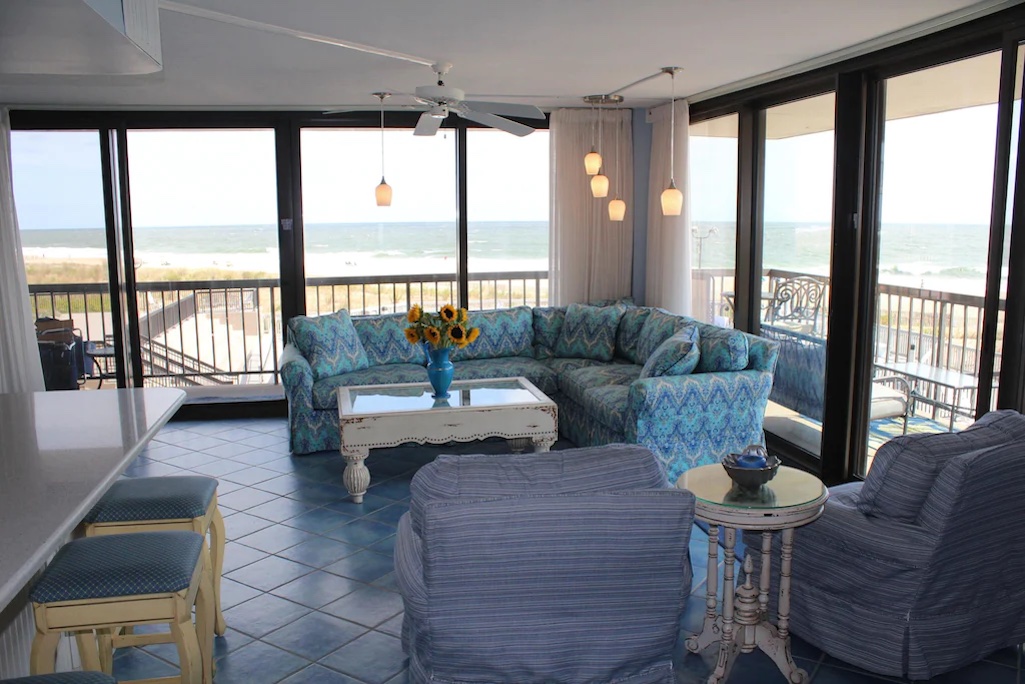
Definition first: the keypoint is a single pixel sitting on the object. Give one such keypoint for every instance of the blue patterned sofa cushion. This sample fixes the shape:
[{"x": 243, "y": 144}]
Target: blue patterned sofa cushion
[
  {"x": 608, "y": 405},
  {"x": 537, "y": 372},
  {"x": 576, "y": 383},
  {"x": 154, "y": 498},
  {"x": 589, "y": 332},
  {"x": 628, "y": 335},
  {"x": 385, "y": 342},
  {"x": 722, "y": 350},
  {"x": 329, "y": 343},
  {"x": 325, "y": 392},
  {"x": 563, "y": 366},
  {"x": 658, "y": 327},
  {"x": 504, "y": 332},
  {"x": 678, "y": 355},
  {"x": 569, "y": 471},
  {"x": 120, "y": 565},
  {"x": 905, "y": 468},
  {"x": 548, "y": 322}
]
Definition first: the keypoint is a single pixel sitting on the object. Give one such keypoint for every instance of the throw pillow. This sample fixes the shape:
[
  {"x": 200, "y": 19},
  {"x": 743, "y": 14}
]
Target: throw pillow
[
  {"x": 904, "y": 469},
  {"x": 658, "y": 327},
  {"x": 722, "y": 350},
  {"x": 629, "y": 334},
  {"x": 676, "y": 356},
  {"x": 589, "y": 332},
  {"x": 329, "y": 343}
]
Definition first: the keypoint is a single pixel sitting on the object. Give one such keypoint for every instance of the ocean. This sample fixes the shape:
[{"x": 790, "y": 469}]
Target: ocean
[{"x": 942, "y": 251}]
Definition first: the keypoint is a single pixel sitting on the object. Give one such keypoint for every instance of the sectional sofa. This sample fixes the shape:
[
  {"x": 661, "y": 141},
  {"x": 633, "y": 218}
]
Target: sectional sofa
[{"x": 689, "y": 391}]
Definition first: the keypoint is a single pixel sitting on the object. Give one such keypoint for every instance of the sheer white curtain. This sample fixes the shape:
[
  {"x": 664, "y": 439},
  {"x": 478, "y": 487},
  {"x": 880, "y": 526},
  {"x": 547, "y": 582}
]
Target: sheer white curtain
[
  {"x": 20, "y": 370},
  {"x": 590, "y": 257},
  {"x": 667, "y": 280}
]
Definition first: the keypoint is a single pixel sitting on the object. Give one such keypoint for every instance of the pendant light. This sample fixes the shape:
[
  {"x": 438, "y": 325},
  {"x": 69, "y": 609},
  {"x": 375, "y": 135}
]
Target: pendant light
[
  {"x": 599, "y": 182},
  {"x": 383, "y": 191},
  {"x": 672, "y": 198},
  {"x": 617, "y": 207},
  {"x": 592, "y": 160}
]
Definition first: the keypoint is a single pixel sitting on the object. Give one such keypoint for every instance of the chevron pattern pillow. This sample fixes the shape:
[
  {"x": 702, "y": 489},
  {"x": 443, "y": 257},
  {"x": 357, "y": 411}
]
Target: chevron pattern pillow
[
  {"x": 329, "y": 343},
  {"x": 589, "y": 332},
  {"x": 676, "y": 356},
  {"x": 722, "y": 349},
  {"x": 384, "y": 340}
]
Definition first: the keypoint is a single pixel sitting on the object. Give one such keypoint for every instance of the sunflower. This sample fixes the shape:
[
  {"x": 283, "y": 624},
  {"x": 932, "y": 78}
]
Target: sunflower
[
  {"x": 413, "y": 316},
  {"x": 463, "y": 316},
  {"x": 413, "y": 335},
  {"x": 457, "y": 334},
  {"x": 448, "y": 313},
  {"x": 433, "y": 335},
  {"x": 472, "y": 335}
]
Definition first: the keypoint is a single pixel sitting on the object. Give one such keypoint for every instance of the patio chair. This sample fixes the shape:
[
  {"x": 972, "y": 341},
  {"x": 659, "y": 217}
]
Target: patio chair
[
  {"x": 907, "y": 573},
  {"x": 569, "y": 566},
  {"x": 795, "y": 303}
]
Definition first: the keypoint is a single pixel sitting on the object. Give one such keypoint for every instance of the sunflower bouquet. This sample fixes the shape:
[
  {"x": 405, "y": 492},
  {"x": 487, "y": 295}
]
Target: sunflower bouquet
[{"x": 446, "y": 329}]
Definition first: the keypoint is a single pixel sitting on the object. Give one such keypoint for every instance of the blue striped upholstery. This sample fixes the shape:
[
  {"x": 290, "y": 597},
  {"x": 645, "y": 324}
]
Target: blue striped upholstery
[
  {"x": 120, "y": 565},
  {"x": 154, "y": 498},
  {"x": 544, "y": 586},
  {"x": 917, "y": 599},
  {"x": 64, "y": 678}
]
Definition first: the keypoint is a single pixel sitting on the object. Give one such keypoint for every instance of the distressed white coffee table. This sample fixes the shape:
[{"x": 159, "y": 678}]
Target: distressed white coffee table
[
  {"x": 376, "y": 416},
  {"x": 793, "y": 498}
]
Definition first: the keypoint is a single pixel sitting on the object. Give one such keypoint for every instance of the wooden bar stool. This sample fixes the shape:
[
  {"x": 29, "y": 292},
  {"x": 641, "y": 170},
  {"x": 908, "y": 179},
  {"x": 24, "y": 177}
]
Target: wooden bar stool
[
  {"x": 156, "y": 504},
  {"x": 64, "y": 678},
  {"x": 103, "y": 584}
]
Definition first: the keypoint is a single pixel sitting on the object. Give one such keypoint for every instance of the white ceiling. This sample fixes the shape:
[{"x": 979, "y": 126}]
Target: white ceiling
[{"x": 547, "y": 52}]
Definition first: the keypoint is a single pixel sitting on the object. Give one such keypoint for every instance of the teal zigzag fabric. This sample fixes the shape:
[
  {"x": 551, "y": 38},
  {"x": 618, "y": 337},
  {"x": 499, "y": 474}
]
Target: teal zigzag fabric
[
  {"x": 678, "y": 355},
  {"x": 538, "y": 373},
  {"x": 629, "y": 333},
  {"x": 658, "y": 327},
  {"x": 589, "y": 332},
  {"x": 547, "y": 326},
  {"x": 575, "y": 384},
  {"x": 329, "y": 343},
  {"x": 609, "y": 405},
  {"x": 580, "y": 427},
  {"x": 384, "y": 340},
  {"x": 325, "y": 392},
  {"x": 505, "y": 332},
  {"x": 563, "y": 366},
  {"x": 722, "y": 350},
  {"x": 800, "y": 371}
]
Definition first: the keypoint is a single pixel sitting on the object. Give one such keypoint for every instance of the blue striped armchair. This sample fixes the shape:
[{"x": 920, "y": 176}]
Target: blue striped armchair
[
  {"x": 569, "y": 566},
  {"x": 914, "y": 571}
]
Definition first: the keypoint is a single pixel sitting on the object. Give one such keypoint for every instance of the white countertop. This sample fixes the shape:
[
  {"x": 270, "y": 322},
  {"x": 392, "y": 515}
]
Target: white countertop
[{"x": 59, "y": 453}]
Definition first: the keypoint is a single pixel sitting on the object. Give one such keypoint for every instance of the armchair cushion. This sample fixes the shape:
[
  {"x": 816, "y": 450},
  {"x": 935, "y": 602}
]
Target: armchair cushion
[
  {"x": 589, "y": 332},
  {"x": 678, "y": 355},
  {"x": 329, "y": 343},
  {"x": 722, "y": 350},
  {"x": 905, "y": 468}
]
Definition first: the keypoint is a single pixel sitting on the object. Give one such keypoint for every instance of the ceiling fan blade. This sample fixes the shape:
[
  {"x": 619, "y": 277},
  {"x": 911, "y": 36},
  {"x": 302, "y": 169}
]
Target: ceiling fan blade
[
  {"x": 427, "y": 125},
  {"x": 171, "y": 6},
  {"x": 506, "y": 109},
  {"x": 495, "y": 122}
]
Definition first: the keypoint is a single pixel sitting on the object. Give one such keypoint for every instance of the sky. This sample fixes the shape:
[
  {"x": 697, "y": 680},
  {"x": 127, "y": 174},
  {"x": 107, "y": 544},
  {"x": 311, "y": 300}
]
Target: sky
[{"x": 938, "y": 169}]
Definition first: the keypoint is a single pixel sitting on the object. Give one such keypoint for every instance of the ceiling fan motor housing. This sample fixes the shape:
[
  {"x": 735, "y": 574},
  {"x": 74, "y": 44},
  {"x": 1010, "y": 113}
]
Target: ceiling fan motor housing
[{"x": 441, "y": 93}]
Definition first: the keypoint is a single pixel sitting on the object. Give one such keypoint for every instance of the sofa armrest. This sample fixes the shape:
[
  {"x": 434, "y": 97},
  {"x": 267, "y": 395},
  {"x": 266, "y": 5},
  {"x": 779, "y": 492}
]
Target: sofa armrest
[
  {"x": 692, "y": 420},
  {"x": 297, "y": 377}
]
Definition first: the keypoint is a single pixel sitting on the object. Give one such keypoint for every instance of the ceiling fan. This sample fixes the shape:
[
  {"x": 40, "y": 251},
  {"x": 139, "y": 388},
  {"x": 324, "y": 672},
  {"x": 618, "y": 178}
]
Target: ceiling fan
[{"x": 440, "y": 100}]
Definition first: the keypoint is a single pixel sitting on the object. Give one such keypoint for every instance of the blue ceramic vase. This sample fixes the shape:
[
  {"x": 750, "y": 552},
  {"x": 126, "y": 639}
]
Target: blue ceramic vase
[{"x": 439, "y": 371}]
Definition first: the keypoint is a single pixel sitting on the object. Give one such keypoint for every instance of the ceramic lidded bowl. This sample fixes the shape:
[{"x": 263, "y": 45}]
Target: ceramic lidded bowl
[{"x": 752, "y": 468}]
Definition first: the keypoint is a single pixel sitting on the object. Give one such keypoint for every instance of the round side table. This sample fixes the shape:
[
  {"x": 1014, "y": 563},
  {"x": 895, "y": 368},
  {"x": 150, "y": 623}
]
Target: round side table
[{"x": 793, "y": 498}]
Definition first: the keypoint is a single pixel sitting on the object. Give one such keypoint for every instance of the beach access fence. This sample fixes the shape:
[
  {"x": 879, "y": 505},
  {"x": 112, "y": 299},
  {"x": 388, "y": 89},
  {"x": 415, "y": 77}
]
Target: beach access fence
[{"x": 228, "y": 332}]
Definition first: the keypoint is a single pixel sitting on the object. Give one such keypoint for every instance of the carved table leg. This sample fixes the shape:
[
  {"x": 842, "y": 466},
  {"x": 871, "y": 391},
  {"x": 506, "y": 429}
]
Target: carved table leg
[
  {"x": 356, "y": 477},
  {"x": 765, "y": 581},
  {"x": 728, "y": 646},
  {"x": 774, "y": 640},
  {"x": 711, "y": 628},
  {"x": 543, "y": 444}
]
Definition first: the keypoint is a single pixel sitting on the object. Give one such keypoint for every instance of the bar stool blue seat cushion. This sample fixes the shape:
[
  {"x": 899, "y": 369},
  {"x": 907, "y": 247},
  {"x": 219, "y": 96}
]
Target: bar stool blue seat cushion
[
  {"x": 154, "y": 498},
  {"x": 120, "y": 565},
  {"x": 64, "y": 678}
]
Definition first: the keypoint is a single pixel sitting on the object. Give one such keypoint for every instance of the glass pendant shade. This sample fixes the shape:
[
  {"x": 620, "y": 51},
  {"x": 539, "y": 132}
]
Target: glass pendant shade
[
  {"x": 592, "y": 162},
  {"x": 617, "y": 210},
  {"x": 672, "y": 200},
  {"x": 600, "y": 186},
  {"x": 383, "y": 194}
]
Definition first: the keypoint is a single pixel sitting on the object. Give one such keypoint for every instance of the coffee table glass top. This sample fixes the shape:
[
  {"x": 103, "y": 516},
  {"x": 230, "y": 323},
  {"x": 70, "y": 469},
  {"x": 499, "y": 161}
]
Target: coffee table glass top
[
  {"x": 373, "y": 399},
  {"x": 790, "y": 487}
]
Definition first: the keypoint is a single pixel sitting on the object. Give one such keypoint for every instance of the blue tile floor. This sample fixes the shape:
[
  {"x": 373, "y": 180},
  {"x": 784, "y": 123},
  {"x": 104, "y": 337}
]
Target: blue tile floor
[{"x": 309, "y": 593}]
